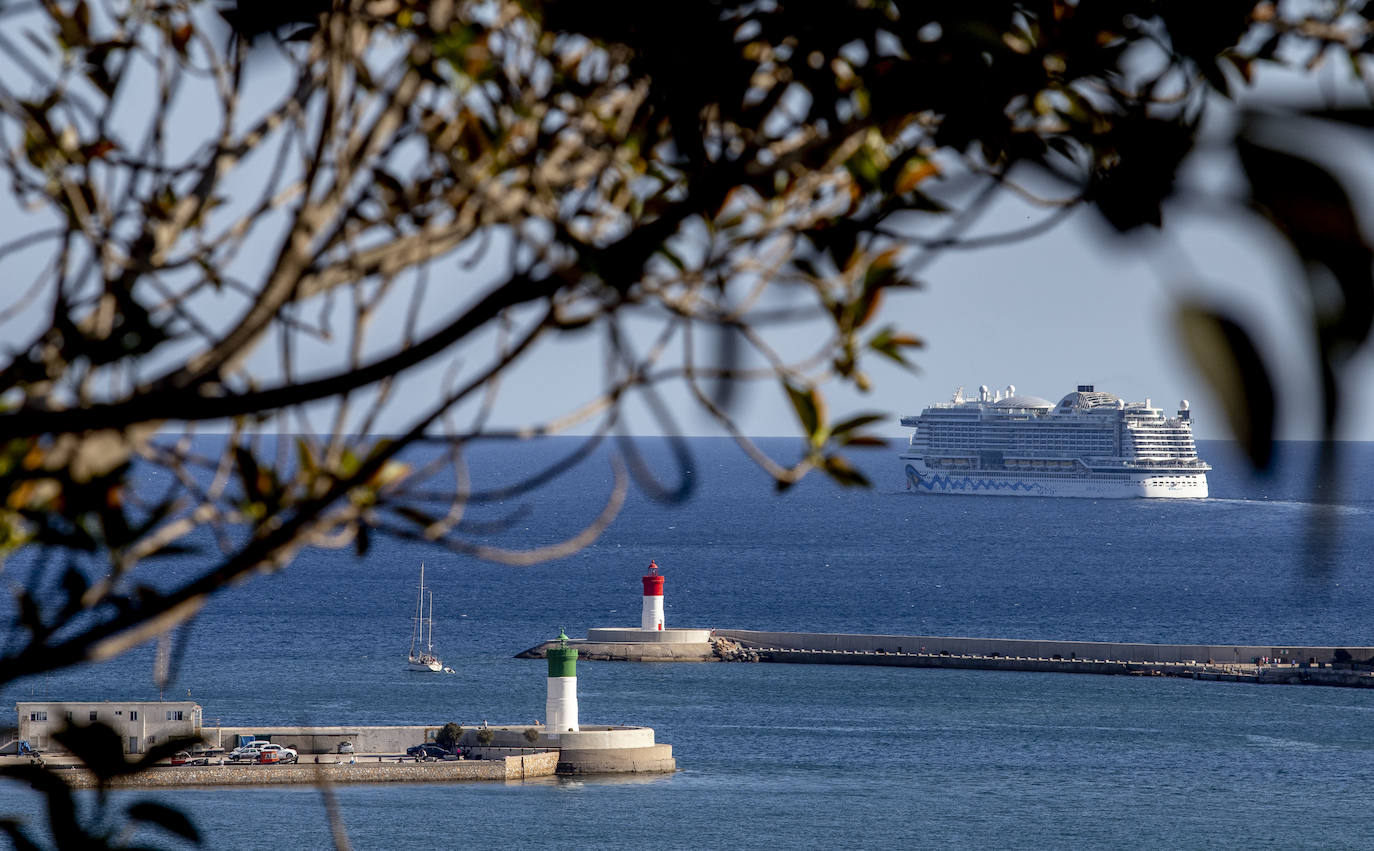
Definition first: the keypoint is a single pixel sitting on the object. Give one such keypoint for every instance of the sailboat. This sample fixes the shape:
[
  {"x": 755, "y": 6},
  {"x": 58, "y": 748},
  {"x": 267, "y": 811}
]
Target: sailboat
[{"x": 423, "y": 632}]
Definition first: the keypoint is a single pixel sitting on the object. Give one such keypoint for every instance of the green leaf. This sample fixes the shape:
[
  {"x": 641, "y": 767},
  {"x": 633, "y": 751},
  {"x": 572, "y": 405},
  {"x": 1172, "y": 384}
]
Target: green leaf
[
  {"x": 839, "y": 469},
  {"x": 810, "y": 408},
  {"x": 889, "y": 343},
  {"x": 306, "y": 458},
  {"x": 855, "y": 423}
]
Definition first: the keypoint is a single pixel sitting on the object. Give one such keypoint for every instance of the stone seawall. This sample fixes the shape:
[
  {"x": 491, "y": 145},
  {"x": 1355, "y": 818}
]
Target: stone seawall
[
  {"x": 510, "y": 768},
  {"x": 1288, "y": 664},
  {"x": 653, "y": 759},
  {"x": 1220, "y": 654},
  {"x": 1270, "y": 674}
]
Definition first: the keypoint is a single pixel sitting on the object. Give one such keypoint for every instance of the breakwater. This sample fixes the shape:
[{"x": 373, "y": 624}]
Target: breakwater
[
  {"x": 1287, "y": 664},
  {"x": 519, "y": 767},
  {"x": 997, "y": 647}
]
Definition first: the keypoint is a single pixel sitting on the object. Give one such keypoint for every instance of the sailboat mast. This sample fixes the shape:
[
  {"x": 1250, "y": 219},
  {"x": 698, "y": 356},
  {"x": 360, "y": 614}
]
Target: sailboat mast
[
  {"x": 419, "y": 602},
  {"x": 430, "y": 648}
]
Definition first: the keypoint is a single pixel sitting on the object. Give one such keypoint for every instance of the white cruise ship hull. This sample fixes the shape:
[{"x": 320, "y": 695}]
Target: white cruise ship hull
[{"x": 921, "y": 479}]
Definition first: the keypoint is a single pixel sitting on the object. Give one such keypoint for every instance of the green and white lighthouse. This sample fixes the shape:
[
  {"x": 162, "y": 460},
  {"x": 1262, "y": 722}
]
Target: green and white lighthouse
[{"x": 560, "y": 711}]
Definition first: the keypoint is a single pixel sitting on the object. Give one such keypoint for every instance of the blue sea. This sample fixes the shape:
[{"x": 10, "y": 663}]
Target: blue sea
[{"x": 816, "y": 756}]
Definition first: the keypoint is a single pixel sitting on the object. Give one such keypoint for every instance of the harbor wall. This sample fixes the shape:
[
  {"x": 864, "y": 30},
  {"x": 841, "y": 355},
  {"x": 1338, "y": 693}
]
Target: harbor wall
[
  {"x": 510, "y": 768},
  {"x": 1037, "y": 649},
  {"x": 395, "y": 740},
  {"x": 325, "y": 740},
  {"x": 653, "y": 759}
]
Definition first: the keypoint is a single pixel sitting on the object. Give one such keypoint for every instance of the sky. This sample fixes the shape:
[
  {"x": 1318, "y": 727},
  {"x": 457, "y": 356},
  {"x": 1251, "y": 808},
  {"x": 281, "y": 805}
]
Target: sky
[
  {"x": 1079, "y": 305},
  {"x": 1076, "y": 305}
]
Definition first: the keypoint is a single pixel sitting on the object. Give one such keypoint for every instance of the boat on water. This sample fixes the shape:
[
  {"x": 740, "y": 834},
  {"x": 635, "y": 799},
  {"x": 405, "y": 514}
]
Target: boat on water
[
  {"x": 1090, "y": 444},
  {"x": 422, "y": 658}
]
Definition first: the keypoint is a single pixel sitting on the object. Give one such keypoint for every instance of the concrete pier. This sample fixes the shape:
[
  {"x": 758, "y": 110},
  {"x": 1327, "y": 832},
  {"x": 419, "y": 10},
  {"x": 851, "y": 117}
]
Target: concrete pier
[
  {"x": 1015, "y": 647},
  {"x": 1288, "y": 664},
  {"x": 502, "y": 752},
  {"x": 367, "y": 769},
  {"x": 1291, "y": 664}
]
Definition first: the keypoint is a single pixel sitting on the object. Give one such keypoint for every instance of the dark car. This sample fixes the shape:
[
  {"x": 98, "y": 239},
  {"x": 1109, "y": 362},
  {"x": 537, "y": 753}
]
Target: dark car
[{"x": 429, "y": 751}]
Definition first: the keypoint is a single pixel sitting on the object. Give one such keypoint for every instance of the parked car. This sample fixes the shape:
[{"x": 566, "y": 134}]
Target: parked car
[
  {"x": 430, "y": 751},
  {"x": 180, "y": 758},
  {"x": 248, "y": 752},
  {"x": 270, "y": 753},
  {"x": 345, "y": 747}
]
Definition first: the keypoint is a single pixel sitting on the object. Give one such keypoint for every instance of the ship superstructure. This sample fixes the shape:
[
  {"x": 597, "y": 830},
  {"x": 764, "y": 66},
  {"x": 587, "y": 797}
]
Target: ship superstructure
[{"x": 1090, "y": 444}]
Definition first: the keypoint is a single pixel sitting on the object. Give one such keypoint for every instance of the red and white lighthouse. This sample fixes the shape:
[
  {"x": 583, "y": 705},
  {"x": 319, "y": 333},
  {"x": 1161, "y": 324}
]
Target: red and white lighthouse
[{"x": 653, "y": 599}]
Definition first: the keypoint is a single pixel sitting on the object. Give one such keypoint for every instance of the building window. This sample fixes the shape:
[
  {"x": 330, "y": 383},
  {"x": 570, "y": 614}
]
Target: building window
[
  {"x": 69, "y": 715},
  {"x": 174, "y": 715},
  {"x": 94, "y": 715},
  {"x": 38, "y": 716},
  {"x": 133, "y": 714}
]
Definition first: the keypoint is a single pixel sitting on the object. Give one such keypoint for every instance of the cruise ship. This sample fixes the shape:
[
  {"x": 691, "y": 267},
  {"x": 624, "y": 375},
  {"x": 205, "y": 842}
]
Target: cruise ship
[{"x": 1090, "y": 444}]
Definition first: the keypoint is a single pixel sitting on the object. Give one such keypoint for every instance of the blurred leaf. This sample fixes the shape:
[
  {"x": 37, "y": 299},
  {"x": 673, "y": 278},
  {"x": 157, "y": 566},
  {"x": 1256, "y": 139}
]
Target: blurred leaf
[
  {"x": 99, "y": 747},
  {"x": 1137, "y": 173},
  {"x": 306, "y": 458},
  {"x": 66, "y": 832},
  {"x": 160, "y": 751},
  {"x": 864, "y": 440},
  {"x": 165, "y": 817},
  {"x": 889, "y": 343},
  {"x": 810, "y": 408},
  {"x": 855, "y": 423},
  {"x": 74, "y": 587},
  {"x": 415, "y": 515},
  {"x": 20, "y": 840},
  {"x": 249, "y": 473},
  {"x": 914, "y": 172},
  {"x": 30, "y": 615},
  {"x": 1309, "y": 206},
  {"x": 838, "y": 468},
  {"x": 1232, "y": 366}
]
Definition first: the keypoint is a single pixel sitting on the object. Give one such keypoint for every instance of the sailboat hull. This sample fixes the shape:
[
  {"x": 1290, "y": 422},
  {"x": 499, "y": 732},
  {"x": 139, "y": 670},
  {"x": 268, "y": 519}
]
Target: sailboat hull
[{"x": 429, "y": 666}]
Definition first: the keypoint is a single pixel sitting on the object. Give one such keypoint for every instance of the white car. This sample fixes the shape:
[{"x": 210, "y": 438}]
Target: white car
[
  {"x": 282, "y": 754},
  {"x": 248, "y": 752}
]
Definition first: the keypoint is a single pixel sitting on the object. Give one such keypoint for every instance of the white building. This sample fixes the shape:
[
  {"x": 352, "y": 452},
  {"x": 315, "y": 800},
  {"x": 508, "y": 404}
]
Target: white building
[{"x": 140, "y": 723}]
